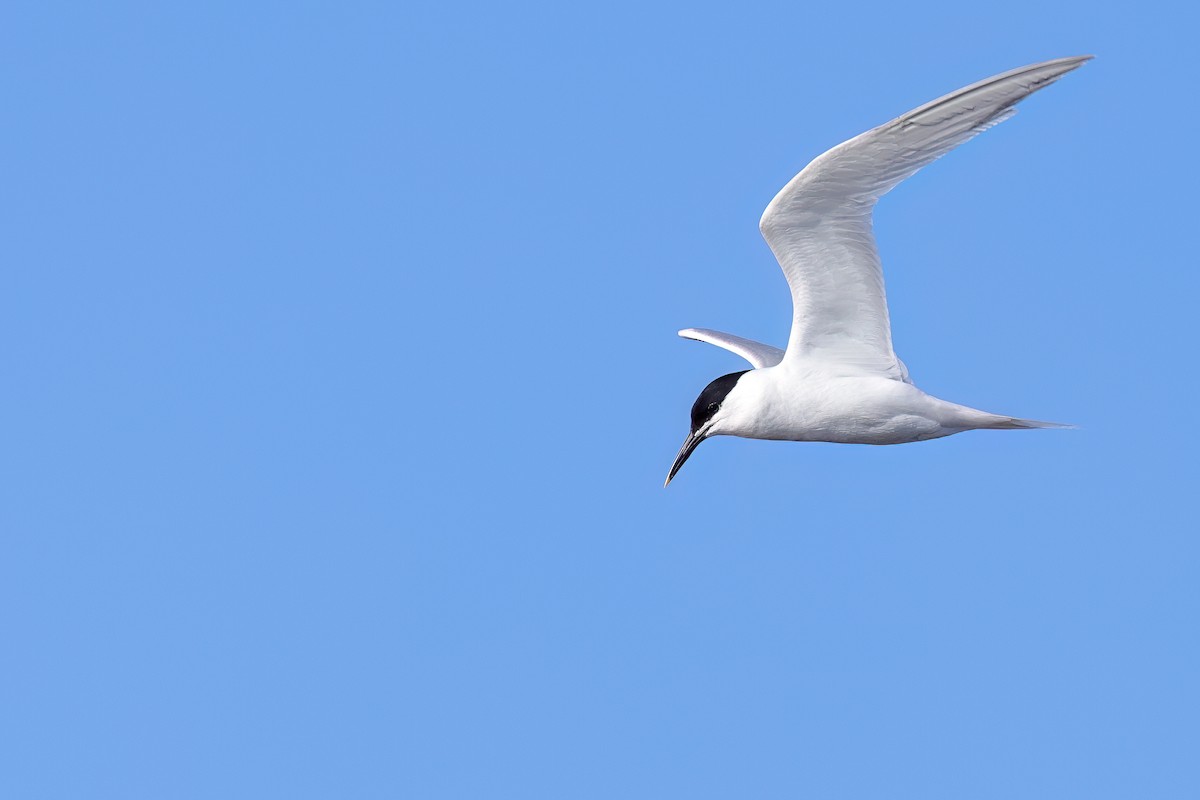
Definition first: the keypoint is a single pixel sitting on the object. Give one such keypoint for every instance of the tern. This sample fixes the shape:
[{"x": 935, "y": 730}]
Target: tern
[{"x": 839, "y": 380}]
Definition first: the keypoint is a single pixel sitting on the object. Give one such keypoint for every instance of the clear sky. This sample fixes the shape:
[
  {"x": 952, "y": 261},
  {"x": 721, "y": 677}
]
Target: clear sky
[{"x": 341, "y": 378}]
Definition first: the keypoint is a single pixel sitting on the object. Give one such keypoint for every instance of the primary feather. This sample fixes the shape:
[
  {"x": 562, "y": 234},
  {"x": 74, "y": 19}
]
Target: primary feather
[{"x": 819, "y": 225}]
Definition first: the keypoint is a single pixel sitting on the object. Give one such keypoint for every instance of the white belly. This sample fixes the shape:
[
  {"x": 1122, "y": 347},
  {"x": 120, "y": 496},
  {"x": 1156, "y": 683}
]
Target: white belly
[{"x": 850, "y": 410}]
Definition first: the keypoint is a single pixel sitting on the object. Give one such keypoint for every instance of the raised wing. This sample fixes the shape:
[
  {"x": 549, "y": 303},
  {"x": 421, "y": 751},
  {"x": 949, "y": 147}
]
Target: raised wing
[
  {"x": 819, "y": 225},
  {"x": 758, "y": 354}
]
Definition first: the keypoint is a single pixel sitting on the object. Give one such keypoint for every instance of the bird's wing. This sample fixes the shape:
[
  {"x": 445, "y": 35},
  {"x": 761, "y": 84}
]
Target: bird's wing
[
  {"x": 819, "y": 225},
  {"x": 758, "y": 354}
]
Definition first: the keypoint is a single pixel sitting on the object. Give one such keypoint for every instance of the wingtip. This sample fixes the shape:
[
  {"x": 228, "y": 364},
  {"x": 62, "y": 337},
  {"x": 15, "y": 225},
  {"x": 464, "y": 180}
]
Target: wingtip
[
  {"x": 1073, "y": 62},
  {"x": 1056, "y": 66},
  {"x": 1071, "y": 59}
]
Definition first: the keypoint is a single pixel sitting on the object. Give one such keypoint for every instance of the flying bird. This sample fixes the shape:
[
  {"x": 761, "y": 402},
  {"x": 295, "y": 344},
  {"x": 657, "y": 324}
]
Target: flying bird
[{"x": 839, "y": 380}]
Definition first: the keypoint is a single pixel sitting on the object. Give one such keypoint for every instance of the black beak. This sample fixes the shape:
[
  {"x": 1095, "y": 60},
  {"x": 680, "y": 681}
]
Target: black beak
[{"x": 689, "y": 444}]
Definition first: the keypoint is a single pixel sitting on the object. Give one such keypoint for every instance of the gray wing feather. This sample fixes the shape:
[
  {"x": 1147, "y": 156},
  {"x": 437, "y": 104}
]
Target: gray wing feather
[
  {"x": 758, "y": 354},
  {"x": 819, "y": 225}
]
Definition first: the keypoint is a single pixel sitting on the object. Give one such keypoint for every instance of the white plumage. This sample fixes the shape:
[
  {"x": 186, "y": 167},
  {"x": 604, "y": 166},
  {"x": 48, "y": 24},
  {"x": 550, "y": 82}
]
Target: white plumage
[{"x": 839, "y": 379}]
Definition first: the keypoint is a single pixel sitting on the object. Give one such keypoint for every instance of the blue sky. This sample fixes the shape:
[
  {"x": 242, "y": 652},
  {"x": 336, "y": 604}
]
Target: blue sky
[{"x": 341, "y": 379}]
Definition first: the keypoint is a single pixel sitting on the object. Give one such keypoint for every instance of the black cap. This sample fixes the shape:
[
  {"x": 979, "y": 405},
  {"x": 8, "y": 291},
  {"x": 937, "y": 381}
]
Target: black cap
[{"x": 712, "y": 397}]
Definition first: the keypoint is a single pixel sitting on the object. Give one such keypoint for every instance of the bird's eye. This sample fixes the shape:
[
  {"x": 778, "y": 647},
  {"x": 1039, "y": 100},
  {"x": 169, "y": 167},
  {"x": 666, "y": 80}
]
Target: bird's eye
[{"x": 712, "y": 407}]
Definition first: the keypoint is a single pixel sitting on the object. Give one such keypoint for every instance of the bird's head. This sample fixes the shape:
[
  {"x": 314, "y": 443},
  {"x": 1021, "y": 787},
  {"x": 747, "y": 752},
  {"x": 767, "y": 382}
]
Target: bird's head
[{"x": 711, "y": 416}]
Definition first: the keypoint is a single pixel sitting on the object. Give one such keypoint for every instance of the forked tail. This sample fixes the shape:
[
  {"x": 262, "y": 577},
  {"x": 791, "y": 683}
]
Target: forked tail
[{"x": 1016, "y": 424}]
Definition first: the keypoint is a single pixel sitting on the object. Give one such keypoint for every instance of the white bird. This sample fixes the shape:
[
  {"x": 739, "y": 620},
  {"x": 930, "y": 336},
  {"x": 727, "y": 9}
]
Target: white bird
[{"x": 839, "y": 380}]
